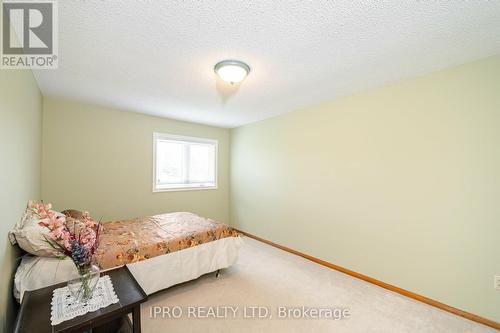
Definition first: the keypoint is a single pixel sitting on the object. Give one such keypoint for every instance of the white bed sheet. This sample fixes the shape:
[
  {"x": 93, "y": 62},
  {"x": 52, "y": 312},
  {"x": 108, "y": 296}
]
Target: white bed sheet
[{"x": 153, "y": 274}]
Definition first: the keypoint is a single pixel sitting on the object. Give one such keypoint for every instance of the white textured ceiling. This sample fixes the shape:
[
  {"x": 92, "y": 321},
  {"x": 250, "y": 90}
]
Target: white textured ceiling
[{"x": 157, "y": 57}]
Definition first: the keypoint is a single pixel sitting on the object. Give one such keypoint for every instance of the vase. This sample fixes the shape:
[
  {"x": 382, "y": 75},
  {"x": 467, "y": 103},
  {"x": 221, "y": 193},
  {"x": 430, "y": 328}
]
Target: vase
[{"x": 82, "y": 288}]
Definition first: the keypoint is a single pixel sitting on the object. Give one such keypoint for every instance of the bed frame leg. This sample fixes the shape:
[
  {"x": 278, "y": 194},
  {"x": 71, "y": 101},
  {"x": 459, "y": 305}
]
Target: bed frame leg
[{"x": 217, "y": 274}]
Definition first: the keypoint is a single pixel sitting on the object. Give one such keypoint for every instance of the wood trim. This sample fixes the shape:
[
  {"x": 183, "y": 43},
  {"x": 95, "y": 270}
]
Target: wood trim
[{"x": 382, "y": 284}]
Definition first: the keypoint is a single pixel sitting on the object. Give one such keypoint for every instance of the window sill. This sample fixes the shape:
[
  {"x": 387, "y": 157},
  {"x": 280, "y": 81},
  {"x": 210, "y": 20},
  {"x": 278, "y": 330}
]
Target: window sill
[{"x": 191, "y": 188}]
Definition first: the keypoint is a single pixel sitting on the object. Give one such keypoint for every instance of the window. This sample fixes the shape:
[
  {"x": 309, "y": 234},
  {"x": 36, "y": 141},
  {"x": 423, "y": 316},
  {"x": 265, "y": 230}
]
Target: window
[{"x": 182, "y": 163}]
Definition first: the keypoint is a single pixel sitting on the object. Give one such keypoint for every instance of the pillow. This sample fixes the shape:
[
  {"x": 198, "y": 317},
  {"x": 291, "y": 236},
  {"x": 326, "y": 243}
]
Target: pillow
[
  {"x": 30, "y": 236},
  {"x": 74, "y": 213}
]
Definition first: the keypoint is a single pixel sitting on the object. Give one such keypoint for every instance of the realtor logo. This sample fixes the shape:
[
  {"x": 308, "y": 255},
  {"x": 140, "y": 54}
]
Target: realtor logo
[{"x": 29, "y": 34}]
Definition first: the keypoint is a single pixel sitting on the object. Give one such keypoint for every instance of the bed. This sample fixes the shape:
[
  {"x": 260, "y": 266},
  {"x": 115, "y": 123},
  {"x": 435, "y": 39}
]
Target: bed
[{"x": 160, "y": 251}]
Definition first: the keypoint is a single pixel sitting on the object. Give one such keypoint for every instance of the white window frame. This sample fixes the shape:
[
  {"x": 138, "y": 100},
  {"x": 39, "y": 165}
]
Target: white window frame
[{"x": 182, "y": 187}]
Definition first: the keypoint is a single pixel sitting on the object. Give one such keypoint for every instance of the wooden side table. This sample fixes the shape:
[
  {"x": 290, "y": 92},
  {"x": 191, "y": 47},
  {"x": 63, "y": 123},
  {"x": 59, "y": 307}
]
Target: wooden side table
[{"x": 34, "y": 314}]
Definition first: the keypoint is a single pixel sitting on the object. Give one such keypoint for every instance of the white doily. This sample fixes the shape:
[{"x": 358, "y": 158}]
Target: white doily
[{"x": 64, "y": 308}]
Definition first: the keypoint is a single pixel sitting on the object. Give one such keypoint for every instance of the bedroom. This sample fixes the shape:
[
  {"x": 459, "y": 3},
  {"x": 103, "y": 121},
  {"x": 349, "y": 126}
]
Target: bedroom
[{"x": 339, "y": 158}]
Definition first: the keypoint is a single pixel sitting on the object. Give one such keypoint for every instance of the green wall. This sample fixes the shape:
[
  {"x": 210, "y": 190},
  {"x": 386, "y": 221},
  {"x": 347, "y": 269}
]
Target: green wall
[
  {"x": 400, "y": 183},
  {"x": 101, "y": 160},
  {"x": 20, "y": 156}
]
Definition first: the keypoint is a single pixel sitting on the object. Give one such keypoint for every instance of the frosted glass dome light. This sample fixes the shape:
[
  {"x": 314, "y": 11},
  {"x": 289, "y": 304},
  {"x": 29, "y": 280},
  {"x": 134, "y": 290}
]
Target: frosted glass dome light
[{"x": 232, "y": 71}]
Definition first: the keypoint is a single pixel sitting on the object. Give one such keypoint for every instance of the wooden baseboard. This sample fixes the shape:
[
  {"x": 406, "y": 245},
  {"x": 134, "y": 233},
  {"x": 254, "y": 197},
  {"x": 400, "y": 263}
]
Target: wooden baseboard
[{"x": 382, "y": 284}]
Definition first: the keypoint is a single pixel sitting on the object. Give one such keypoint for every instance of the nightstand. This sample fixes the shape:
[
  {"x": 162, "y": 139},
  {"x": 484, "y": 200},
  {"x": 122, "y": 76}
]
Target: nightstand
[{"x": 34, "y": 314}]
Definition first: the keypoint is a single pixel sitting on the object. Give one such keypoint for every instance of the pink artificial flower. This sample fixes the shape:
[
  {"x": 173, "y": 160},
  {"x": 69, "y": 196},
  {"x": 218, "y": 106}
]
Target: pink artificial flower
[
  {"x": 62, "y": 237},
  {"x": 56, "y": 234},
  {"x": 43, "y": 211},
  {"x": 89, "y": 222},
  {"x": 53, "y": 222},
  {"x": 66, "y": 239},
  {"x": 88, "y": 238}
]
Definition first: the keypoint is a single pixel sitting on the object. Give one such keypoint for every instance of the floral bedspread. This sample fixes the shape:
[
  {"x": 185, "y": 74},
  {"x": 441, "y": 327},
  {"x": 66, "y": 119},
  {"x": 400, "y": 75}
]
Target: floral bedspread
[{"x": 130, "y": 241}]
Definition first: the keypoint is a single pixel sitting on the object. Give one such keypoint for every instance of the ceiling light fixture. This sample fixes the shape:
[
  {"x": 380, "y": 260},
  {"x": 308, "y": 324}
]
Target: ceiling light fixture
[{"x": 232, "y": 71}]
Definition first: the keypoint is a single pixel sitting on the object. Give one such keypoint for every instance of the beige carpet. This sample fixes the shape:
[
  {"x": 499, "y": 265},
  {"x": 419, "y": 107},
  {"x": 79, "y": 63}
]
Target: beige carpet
[{"x": 267, "y": 277}]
